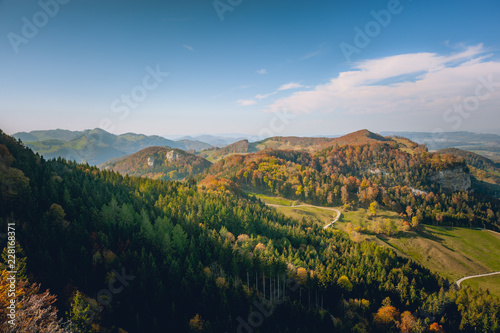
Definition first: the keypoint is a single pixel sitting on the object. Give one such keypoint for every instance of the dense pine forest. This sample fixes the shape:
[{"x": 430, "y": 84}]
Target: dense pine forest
[{"x": 102, "y": 252}]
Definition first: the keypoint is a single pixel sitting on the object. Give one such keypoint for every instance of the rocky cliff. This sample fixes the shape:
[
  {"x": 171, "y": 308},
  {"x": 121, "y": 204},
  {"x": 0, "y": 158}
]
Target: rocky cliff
[{"x": 457, "y": 179}]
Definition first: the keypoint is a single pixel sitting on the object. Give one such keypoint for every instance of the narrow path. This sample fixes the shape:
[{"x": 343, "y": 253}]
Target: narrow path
[
  {"x": 327, "y": 208},
  {"x": 475, "y": 276},
  {"x": 494, "y": 232}
]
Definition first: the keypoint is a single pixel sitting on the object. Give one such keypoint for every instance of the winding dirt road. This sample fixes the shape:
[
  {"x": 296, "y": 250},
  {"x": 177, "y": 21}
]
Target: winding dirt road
[
  {"x": 337, "y": 218},
  {"x": 475, "y": 276},
  {"x": 327, "y": 208}
]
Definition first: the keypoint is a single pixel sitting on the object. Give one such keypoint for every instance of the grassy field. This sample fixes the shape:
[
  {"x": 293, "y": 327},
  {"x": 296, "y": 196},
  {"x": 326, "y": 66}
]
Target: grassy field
[
  {"x": 272, "y": 200},
  {"x": 451, "y": 252},
  {"x": 318, "y": 215},
  {"x": 315, "y": 214},
  {"x": 492, "y": 283}
]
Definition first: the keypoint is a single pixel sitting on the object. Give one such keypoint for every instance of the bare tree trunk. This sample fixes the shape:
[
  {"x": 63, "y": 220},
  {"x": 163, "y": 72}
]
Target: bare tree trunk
[
  {"x": 278, "y": 286},
  {"x": 256, "y": 283},
  {"x": 270, "y": 289},
  {"x": 264, "y": 284}
]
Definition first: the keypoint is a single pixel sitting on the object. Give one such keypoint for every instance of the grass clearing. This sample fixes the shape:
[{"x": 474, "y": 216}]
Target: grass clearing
[
  {"x": 272, "y": 200},
  {"x": 492, "y": 283},
  {"x": 319, "y": 215},
  {"x": 451, "y": 252}
]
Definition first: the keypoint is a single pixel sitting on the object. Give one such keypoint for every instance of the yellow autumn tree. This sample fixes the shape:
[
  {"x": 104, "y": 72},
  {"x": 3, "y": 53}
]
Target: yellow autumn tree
[
  {"x": 196, "y": 324},
  {"x": 302, "y": 274},
  {"x": 344, "y": 283}
]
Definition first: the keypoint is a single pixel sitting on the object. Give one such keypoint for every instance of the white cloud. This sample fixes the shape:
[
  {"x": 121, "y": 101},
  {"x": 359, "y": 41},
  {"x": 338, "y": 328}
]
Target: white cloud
[
  {"x": 262, "y": 71},
  {"x": 417, "y": 82},
  {"x": 258, "y": 97},
  {"x": 291, "y": 85},
  {"x": 262, "y": 96},
  {"x": 246, "y": 102},
  {"x": 190, "y": 48}
]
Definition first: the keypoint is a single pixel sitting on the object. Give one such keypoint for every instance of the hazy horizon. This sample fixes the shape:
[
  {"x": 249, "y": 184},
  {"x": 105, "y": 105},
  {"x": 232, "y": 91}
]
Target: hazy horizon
[{"x": 246, "y": 135}]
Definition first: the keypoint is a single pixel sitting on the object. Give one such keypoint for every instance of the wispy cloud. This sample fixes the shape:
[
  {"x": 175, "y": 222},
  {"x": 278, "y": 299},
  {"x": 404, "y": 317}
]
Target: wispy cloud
[
  {"x": 258, "y": 97},
  {"x": 190, "y": 48},
  {"x": 416, "y": 82},
  {"x": 312, "y": 55},
  {"x": 262, "y": 71},
  {"x": 320, "y": 51},
  {"x": 263, "y": 96},
  {"x": 246, "y": 102},
  {"x": 290, "y": 85}
]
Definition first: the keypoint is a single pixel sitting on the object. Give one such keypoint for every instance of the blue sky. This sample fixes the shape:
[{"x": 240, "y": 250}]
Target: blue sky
[{"x": 272, "y": 68}]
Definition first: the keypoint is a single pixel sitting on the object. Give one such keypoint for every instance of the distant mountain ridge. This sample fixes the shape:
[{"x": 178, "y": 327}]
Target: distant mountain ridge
[
  {"x": 472, "y": 159},
  {"x": 216, "y": 141},
  {"x": 487, "y": 145},
  {"x": 310, "y": 144},
  {"x": 96, "y": 146},
  {"x": 57, "y": 134}
]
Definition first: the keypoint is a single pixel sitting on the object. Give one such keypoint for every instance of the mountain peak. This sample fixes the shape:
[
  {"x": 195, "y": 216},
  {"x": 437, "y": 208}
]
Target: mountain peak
[{"x": 360, "y": 137}]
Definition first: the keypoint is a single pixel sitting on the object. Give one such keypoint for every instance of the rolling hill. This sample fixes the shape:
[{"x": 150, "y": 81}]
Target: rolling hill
[
  {"x": 487, "y": 145},
  {"x": 96, "y": 146},
  {"x": 57, "y": 134},
  {"x": 159, "y": 163},
  {"x": 310, "y": 144},
  {"x": 216, "y": 141},
  {"x": 397, "y": 173},
  {"x": 473, "y": 159},
  {"x": 239, "y": 147}
]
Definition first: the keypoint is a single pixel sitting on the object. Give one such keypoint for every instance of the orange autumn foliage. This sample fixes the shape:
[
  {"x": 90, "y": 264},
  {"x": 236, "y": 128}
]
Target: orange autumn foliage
[
  {"x": 34, "y": 312},
  {"x": 408, "y": 322},
  {"x": 387, "y": 316},
  {"x": 216, "y": 184},
  {"x": 435, "y": 327}
]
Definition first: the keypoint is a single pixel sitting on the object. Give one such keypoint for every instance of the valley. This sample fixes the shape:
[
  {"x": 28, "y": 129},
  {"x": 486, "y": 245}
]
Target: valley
[
  {"x": 453, "y": 253},
  {"x": 375, "y": 219}
]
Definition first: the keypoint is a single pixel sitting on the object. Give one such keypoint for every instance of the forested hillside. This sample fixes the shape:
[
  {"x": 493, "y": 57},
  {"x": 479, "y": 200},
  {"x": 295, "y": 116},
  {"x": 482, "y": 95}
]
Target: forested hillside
[
  {"x": 159, "y": 163},
  {"x": 426, "y": 187},
  {"x": 141, "y": 255}
]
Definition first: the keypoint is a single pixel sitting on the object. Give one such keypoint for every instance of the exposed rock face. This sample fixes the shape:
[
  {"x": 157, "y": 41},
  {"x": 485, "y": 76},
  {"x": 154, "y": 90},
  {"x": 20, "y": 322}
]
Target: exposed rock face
[
  {"x": 453, "y": 180},
  {"x": 172, "y": 155}
]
